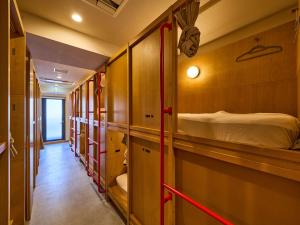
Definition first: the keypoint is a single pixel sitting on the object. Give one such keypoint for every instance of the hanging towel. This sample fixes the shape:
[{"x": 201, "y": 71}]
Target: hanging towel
[{"x": 190, "y": 37}]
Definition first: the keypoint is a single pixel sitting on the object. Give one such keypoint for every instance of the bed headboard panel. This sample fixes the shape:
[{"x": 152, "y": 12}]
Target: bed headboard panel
[{"x": 265, "y": 84}]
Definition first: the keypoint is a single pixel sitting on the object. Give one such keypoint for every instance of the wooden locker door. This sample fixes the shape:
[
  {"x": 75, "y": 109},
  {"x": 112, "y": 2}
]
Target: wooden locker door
[
  {"x": 145, "y": 82},
  {"x": 137, "y": 181},
  {"x": 151, "y": 183}
]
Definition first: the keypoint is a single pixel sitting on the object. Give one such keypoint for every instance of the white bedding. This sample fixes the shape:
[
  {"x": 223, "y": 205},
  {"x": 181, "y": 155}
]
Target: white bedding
[
  {"x": 122, "y": 181},
  {"x": 273, "y": 130}
]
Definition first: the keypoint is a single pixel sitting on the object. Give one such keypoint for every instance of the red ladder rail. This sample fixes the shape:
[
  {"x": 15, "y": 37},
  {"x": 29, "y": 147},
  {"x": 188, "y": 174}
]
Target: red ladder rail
[
  {"x": 87, "y": 132},
  {"x": 75, "y": 121},
  {"x": 100, "y": 151},
  {"x": 163, "y": 111}
]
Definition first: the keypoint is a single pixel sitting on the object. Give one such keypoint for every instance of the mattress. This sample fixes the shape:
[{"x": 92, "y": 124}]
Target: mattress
[
  {"x": 122, "y": 181},
  {"x": 272, "y": 130}
]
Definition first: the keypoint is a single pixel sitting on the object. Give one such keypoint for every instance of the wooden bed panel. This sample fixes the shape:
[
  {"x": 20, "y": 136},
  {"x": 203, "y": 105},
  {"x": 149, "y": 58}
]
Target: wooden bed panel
[
  {"x": 117, "y": 90},
  {"x": 144, "y": 181},
  {"x": 243, "y": 196},
  {"x": 145, "y": 79},
  {"x": 265, "y": 84}
]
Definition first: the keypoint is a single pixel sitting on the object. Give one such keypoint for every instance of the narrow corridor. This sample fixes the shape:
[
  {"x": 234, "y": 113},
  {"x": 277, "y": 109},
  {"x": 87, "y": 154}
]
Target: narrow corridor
[{"x": 64, "y": 195}]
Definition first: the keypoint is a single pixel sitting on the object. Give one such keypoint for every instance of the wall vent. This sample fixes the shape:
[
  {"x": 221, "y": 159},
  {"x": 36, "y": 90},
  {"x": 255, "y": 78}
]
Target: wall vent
[{"x": 111, "y": 7}]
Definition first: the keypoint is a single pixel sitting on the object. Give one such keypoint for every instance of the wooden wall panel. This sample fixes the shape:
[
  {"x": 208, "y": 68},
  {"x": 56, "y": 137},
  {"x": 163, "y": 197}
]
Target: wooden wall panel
[
  {"x": 4, "y": 112},
  {"x": 298, "y": 67},
  {"x": 265, "y": 84},
  {"x": 18, "y": 128},
  {"x": 243, "y": 196},
  {"x": 117, "y": 90}
]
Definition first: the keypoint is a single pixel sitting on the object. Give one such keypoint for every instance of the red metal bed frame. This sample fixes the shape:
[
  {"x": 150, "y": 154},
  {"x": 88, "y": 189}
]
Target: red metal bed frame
[{"x": 163, "y": 111}]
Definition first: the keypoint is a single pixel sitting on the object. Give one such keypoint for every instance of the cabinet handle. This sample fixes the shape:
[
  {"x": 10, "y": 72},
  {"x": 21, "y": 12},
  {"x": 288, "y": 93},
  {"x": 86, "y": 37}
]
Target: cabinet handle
[
  {"x": 149, "y": 115},
  {"x": 117, "y": 150},
  {"x": 147, "y": 150}
]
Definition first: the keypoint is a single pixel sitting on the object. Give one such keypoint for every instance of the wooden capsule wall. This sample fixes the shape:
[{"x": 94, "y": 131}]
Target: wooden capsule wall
[
  {"x": 4, "y": 112},
  {"x": 19, "y": 95}
]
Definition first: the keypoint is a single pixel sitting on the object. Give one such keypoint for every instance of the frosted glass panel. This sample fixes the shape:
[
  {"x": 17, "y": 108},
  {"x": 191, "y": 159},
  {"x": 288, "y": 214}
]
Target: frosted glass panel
[{"x": 54, "y": 115}]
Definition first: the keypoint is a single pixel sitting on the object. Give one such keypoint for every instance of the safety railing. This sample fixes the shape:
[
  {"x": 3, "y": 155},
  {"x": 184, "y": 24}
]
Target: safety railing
[{"x": 163, "y": 186}]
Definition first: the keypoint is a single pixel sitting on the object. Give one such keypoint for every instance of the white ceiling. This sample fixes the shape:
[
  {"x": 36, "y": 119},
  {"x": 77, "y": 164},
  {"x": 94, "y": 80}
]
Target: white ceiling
[
  {"x": 229, "y": 15},
  {"x": 45, "y": 69},
  {"x": 57, "y": 52},
  {"x": 222, "y": 18},
  {"x": 134, "y": 17}
]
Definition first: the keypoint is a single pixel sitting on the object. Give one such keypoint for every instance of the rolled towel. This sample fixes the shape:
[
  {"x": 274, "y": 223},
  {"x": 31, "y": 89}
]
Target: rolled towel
[{"x": 189, "y": 40}]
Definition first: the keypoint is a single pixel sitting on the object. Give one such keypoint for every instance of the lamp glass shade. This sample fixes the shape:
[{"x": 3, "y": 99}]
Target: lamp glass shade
[{"x": 193, "y": 72}]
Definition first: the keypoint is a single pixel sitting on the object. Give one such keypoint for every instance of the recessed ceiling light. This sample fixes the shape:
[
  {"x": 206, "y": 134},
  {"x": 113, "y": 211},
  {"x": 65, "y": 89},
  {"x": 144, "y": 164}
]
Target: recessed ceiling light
[
  {"x": 76, "y": 17},
  {"x": 58, "y": 77}
]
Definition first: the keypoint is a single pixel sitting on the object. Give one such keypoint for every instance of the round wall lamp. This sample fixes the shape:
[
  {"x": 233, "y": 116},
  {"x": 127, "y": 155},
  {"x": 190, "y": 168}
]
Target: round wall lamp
[
  {"x": 76, "y": 17},
  {"x": 193, "y": 72}
]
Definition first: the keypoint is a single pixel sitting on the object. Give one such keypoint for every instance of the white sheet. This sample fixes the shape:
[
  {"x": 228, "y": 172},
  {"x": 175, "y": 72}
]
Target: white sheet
[
  {"x": 273, "y": 130},
  {"x": 122, "y": 181}
]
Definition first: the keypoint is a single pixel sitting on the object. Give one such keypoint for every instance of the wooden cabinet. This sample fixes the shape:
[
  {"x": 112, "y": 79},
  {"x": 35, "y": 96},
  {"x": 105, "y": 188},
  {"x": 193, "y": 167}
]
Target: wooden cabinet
[
  {"x": 146, "y": 80},
  {"x": 145, "y": 176},
  {"x": 117, "y": 90}
]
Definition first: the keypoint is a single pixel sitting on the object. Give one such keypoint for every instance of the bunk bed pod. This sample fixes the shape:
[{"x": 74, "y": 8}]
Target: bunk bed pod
[
  {"x": 239, "y": 179},
  {"x": 117, "y": 170},
  {"x": 117, "y": 89}
]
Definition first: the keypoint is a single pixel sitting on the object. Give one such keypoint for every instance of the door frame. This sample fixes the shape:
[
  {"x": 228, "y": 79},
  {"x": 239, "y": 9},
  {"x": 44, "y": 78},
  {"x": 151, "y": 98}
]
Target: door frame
[{"x": 44, "y": 115}]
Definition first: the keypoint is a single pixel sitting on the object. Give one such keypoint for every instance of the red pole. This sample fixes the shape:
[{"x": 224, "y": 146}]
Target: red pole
[
  {"x": 87, "y": 141},
  {"x": 99, "y": 133},
  {"x": 197, "y": 205},
  {"x": 162, "y": 121},
  {"x": 75, "y": 121}
]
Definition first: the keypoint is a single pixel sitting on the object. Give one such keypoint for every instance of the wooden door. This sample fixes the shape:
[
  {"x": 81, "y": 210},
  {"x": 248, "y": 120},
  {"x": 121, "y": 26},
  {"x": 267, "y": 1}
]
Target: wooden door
[
  {"x": 117, "y": 90},
  {"x": 137, "y": 180},
  {"x": 151, "y": 183},
  {"x": 146, "y": 80},
  {"x": 145, "y": 177}
]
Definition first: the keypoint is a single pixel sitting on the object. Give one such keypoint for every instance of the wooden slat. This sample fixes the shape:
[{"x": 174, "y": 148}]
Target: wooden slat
[{"x": 17, "y": 28}]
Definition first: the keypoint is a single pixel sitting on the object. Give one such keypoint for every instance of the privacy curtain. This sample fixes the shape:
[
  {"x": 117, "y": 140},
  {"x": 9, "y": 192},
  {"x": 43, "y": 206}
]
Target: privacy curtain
[{"x": 190, "y": 38}]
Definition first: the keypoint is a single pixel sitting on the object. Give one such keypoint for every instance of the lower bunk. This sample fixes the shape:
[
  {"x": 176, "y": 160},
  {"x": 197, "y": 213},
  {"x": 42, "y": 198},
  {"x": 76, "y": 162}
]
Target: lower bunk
[
  {"x": 117, "y": 170},
  {"x": 244, "y": 184}
]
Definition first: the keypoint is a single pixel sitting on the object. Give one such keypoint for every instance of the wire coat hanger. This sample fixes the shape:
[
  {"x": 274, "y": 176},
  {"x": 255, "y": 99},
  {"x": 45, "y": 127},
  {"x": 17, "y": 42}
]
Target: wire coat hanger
[{"x": 259, "y": 51}]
